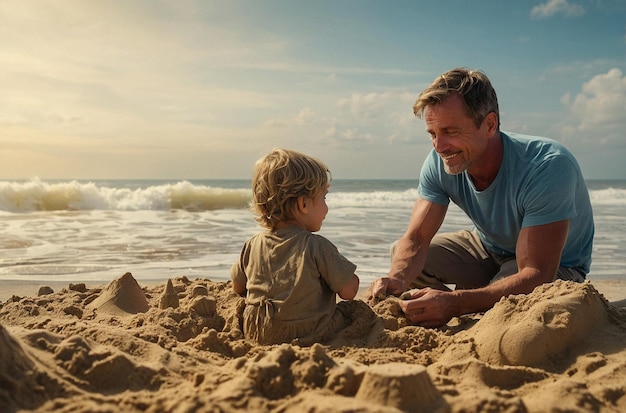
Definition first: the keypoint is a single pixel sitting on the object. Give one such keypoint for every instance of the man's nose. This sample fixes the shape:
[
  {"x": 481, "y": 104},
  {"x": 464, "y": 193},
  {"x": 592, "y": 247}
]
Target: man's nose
[{"x": 440, "y": 143}]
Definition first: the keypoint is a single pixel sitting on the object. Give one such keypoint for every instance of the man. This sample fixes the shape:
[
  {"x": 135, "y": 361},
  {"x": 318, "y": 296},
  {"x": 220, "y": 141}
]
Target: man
[{"x": 526, "y": 196}]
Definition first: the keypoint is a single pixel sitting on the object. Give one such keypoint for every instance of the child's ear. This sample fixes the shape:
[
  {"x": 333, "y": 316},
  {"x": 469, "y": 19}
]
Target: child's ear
[{"x": 301, "y": 204}]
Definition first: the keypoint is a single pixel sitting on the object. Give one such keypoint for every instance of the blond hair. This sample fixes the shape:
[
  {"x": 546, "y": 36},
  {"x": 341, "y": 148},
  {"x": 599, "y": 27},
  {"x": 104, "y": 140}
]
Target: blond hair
[
  {"x": 279, "y": 178},
  {"x": 473, "y": 86}
]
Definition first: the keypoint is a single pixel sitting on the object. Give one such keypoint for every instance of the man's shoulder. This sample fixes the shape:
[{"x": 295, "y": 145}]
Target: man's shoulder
[
  {"x": 531, "y": 141},
  {"x": 534, "y": 149}
]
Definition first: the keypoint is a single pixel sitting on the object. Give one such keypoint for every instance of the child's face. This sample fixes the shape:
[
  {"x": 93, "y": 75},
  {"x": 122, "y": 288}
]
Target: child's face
[{"x": 317, "y": 211}]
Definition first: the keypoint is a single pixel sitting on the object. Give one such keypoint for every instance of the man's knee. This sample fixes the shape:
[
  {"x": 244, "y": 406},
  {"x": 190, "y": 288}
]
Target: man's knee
[{"x": 570, "y": 274}]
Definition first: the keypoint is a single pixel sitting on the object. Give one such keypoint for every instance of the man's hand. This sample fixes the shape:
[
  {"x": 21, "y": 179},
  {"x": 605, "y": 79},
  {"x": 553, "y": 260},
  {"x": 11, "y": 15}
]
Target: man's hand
[
  {"x": 429, "y": 307},
  {"x": 384, "y": 286}
]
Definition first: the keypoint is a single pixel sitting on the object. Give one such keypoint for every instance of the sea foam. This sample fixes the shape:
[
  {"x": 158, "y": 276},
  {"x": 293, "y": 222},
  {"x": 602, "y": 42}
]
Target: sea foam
[{"x": 36, "y": 195}]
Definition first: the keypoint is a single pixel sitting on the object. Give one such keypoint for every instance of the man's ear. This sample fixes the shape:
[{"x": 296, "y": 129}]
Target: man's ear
[{"x": 492, "y": 122}]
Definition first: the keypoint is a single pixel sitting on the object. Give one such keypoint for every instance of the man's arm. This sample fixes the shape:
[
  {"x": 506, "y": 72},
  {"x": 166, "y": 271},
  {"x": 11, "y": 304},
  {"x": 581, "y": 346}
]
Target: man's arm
[
  {"x": 538, "y": 255},
  {"x": 411, "y": 249}
]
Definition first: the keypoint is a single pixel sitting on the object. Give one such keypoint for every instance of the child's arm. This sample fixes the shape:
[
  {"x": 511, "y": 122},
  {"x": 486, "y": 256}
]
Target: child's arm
[
  {"x": 239, "y": 288},
  {"x": 348, "y": 291}
]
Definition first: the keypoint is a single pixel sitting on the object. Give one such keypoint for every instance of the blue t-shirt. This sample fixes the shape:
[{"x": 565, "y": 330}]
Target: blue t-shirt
[{"x": 539, "y": 182}]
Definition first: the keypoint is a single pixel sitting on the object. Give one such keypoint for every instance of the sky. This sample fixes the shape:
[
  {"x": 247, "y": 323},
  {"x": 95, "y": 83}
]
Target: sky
[{"x": 183, "y": 89}]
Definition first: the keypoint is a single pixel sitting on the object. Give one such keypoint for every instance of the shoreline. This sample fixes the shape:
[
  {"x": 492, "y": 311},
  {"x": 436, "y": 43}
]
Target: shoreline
[{"x": 613, "y": 290}]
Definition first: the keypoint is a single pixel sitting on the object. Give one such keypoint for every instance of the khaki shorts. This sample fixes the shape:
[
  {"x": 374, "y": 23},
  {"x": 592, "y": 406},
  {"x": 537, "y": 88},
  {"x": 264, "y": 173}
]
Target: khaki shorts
[{"x": 461, "y": 259}]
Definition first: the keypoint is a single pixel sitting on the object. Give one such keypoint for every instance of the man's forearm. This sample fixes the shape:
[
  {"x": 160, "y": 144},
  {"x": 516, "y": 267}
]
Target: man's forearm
[
  {"x": 482, "y": 299},
  {"x": 408, "y": 261}
]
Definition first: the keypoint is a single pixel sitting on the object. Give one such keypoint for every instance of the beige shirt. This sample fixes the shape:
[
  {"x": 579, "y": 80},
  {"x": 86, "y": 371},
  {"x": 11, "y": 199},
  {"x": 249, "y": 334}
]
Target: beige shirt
[{"x": 292, "y": 277}]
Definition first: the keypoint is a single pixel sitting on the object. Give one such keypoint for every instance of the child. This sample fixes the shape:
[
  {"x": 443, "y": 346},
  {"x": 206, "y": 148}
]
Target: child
[{"x": 290, "y": 276}]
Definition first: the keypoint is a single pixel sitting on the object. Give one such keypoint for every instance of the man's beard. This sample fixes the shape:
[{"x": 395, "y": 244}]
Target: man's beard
[{"x": 457, "y": 168}]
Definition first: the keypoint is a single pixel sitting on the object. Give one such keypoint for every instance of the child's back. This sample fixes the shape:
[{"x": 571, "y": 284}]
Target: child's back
[{"x": 291, "y": 276}]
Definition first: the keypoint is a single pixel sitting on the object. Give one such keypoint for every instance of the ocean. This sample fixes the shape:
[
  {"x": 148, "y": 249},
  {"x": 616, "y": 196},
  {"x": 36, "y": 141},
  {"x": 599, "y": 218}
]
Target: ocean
[{"x": 95, "y": 231}]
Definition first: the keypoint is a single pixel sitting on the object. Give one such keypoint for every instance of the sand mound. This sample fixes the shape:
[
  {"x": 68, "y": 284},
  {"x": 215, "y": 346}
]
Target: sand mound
[
  {"x": 122, "y": 296},
  {"x": 124, "y": 348},
  {"x": 538, "y": 329},
  {"x": 24, "y": 382},
  {"x": 406, "y": 387}
]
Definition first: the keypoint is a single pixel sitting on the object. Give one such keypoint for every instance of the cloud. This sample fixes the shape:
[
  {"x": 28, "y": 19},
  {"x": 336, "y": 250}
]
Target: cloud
[
  {"x": 367, "y": 106},
  {"x": 380, "y": 118},
  {"x": 597, "y": 112},
  {"x": 357, "y": 122},
  {"x": 554, "y": 7},
  {"x": 306, "y": 116}
]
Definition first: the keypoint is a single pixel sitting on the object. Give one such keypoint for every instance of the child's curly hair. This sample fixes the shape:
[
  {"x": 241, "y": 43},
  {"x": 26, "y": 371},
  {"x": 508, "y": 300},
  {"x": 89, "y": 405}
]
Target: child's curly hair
[{"x": 279, "y": 179}]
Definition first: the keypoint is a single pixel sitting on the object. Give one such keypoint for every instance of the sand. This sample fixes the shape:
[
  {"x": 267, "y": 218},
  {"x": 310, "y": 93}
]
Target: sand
[{"x": 178, "y": 347}]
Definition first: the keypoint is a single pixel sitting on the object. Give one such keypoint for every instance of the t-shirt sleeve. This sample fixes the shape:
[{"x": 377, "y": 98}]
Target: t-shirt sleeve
[
  {"x": 334, "y": 268},
  {"x": 237, "y": 274},
  {"x": 551, "y": 195},
  {"x": 429, "y": 187}
]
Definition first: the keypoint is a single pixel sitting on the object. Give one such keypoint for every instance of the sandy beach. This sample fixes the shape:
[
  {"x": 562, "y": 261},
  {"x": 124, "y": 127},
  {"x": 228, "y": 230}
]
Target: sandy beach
[{"x": 178, "y": 347}]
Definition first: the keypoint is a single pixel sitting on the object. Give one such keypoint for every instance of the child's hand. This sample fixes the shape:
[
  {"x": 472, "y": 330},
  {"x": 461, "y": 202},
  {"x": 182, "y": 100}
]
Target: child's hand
[{"x": 384, "y": 286}]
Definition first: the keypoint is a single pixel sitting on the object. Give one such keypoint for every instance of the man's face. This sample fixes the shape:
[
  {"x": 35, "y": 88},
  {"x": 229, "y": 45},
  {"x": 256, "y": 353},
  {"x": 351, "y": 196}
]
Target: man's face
[{"x": 454, "y": 135}]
